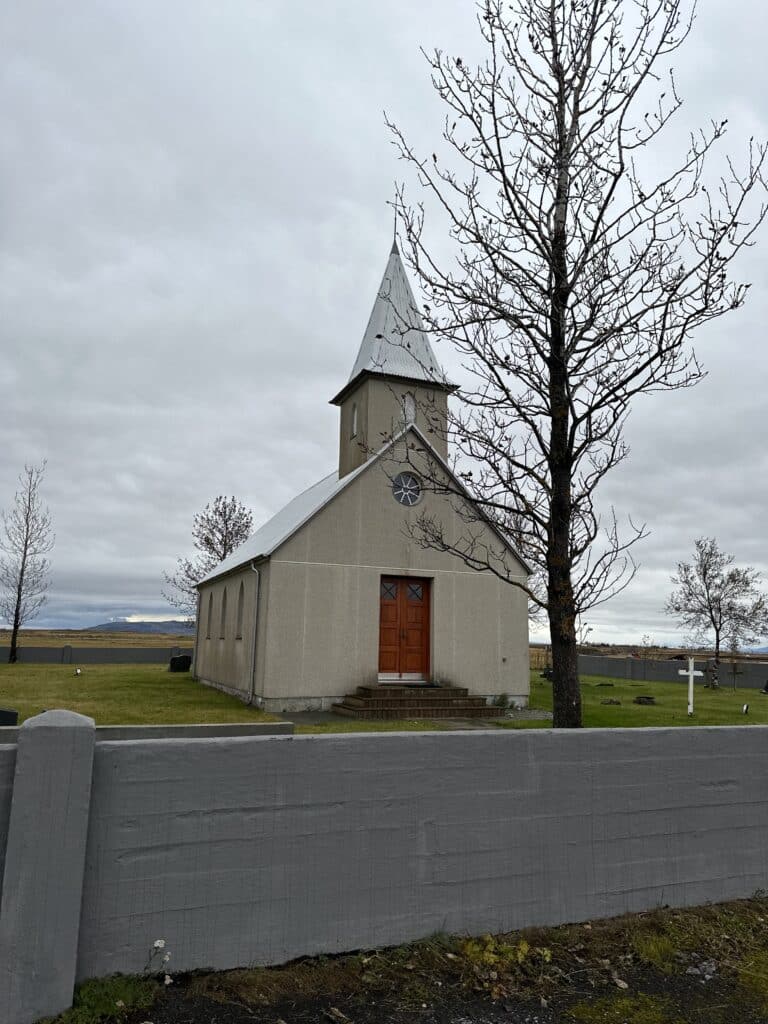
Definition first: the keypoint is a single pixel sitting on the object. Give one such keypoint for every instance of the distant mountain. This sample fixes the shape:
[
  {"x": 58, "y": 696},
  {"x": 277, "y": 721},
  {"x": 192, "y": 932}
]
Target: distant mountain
[{"x": 122, "y": 626}]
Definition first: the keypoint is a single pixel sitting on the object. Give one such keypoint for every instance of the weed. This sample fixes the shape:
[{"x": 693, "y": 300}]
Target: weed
[
  {"x": 657, "y": 949},
  {"x": 109, "y": 1000}
]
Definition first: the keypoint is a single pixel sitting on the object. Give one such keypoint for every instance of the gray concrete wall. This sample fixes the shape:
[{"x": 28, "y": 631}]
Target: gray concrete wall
[
  {"x": 95, "y": 655},
  {"x": 753, "y": 675},
  {"x": 7, "y": 768},
  {"x": 252, "y": 850}
]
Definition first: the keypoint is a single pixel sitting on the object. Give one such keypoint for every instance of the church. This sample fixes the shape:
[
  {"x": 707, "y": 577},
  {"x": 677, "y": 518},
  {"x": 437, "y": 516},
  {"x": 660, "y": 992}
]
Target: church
[{"x": 334, "y": 603}]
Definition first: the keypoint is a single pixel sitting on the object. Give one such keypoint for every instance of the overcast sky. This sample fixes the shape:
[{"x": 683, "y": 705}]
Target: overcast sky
[{"x": 194, "y": 226}]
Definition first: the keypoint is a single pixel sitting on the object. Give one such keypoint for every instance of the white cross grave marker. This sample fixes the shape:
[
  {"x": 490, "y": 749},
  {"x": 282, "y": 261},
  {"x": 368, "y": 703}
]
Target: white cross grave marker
[{"x": 690, "y": 672}]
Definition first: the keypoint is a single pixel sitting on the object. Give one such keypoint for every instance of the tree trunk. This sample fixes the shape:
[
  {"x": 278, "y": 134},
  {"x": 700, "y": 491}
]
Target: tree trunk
[
  {"x": 566, "y": 694},
  {"x": 13, "y": 653}
]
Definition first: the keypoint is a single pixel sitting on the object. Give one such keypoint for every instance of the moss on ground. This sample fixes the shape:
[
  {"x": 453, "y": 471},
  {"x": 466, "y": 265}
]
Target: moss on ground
[
  {"x": 110, "y": 1000},
  {"x": 642, "y": 1009}
]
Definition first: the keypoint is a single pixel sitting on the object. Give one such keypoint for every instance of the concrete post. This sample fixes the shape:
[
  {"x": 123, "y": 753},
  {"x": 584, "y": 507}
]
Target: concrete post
[{"x": 44, "y": 865}]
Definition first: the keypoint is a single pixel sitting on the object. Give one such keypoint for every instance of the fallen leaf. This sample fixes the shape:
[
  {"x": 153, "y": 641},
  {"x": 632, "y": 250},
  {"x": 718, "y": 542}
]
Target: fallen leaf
[{"x": 334, "y": 1013}]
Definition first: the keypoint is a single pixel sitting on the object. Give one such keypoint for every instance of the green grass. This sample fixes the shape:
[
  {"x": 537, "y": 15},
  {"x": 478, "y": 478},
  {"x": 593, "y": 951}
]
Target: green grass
[
  {"x": 108, "y": 1000},
  {"x": 150, "y": 695},
  {"x": 120, "y": 695},
  {"x": 711, "y": 707}
]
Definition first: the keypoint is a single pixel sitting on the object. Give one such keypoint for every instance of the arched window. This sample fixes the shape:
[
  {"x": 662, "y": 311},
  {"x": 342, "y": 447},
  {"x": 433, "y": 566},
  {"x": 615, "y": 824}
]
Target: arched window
[
  {"x": 240, "y": 602},
  {"x": 353, "y": 428},
  {"x": 409, "y": 408},
  {"x": 210, "y": 617},
  {"x": 222, "y": 629}
]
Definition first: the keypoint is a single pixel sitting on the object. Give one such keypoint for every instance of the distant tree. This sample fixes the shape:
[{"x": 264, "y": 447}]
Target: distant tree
[
  {"x": 578, "y": 278},
  {"x": 25, "y": 540},
  {"x": 715, "y": 601},
  {"x": 221, "y": 527}
]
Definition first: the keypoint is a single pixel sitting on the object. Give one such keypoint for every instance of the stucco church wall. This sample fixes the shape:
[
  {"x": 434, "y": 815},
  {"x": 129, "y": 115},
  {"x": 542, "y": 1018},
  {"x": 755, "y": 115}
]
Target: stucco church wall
[
  {"x": 379, "y": 407},
  {"x": 324, "y": 602},
  {"x": 226, "y": 662}
]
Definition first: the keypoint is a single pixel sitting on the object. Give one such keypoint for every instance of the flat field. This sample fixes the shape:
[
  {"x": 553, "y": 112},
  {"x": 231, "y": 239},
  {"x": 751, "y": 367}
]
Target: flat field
[
  {"x": 95, "y": 638},
  {"x": 120, "y": 695},
  {"x": 150, "y": 695}
]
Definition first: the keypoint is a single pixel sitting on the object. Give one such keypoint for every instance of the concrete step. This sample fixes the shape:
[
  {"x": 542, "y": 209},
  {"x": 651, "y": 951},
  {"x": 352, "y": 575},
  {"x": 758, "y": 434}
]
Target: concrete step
[
  {"x": 422, "y": 693},
  {"x": 416, "y": 711},
  {"x": 382, "y": 701}
]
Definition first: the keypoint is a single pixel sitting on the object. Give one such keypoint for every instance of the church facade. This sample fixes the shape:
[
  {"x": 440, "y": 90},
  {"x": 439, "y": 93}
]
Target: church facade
[{"x": 335, "y": 591}]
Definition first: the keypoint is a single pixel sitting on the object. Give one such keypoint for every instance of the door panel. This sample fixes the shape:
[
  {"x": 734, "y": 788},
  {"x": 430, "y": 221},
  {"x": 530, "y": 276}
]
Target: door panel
[{"x": 404, "y": 626}]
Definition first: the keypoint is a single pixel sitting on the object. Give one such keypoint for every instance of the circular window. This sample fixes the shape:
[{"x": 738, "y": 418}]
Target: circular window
[{"x": 406, "y": 488}]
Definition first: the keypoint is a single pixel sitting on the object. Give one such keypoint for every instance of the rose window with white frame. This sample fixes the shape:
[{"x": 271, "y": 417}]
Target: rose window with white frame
[{"x": 406, "y": 488}]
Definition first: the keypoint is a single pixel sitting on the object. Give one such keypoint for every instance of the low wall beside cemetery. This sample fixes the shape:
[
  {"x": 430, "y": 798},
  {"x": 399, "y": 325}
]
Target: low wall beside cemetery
[
  {"x": 753, "y": 675},
  {"x": 95, "y": 655},
  {"x": 258, "y": 849}
]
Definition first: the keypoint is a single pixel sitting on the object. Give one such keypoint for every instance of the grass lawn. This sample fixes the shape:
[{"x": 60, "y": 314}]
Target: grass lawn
[
  {"x": 120, "y": 695},
  {"x": 711, "y": 707},
  {"x": 150, "y": 695}
]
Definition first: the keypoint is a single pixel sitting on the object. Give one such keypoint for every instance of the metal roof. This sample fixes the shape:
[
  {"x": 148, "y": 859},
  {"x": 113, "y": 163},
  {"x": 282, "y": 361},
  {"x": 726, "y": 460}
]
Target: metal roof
[
  {"x": 279, "y": 528},
  {"x": 268, "y": 538},
  {"x": 395, "y": 342}
]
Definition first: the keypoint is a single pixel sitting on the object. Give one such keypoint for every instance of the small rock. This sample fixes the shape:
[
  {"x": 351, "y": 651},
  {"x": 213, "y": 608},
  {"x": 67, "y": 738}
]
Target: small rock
[{"x": 692, "y": 970}]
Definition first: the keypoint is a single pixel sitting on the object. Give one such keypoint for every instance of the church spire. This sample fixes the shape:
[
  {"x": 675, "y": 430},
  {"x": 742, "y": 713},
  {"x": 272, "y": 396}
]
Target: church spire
[{"x": 395, "y": 343}]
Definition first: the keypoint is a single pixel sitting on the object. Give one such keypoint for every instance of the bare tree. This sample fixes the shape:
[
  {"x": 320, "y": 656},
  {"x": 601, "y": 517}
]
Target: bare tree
[
  {"x": 715, "y": 601},
  {"x": 221, "y": 527},
  {"x": 577, "y": 284},
  {"x": 26, "y": 538}
]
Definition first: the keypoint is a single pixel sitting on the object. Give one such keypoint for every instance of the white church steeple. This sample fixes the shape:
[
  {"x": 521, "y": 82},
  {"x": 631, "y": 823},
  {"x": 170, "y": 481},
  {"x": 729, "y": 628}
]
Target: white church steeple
[{"x": 395, "y": 378}]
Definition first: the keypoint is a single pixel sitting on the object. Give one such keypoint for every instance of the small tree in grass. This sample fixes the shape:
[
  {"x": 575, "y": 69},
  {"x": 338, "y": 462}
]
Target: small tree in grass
[
  {"x": 26, "y": 539},
  {"x": 217, "y": 531},
  {"x": 715, "y": 601}
]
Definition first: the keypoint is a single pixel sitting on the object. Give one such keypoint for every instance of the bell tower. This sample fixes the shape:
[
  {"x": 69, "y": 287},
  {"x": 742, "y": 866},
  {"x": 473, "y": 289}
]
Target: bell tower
[{"x": 396, "y": 379}]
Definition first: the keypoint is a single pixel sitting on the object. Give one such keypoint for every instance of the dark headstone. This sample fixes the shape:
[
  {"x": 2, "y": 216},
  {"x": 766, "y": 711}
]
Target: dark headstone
[
  {"x": 610, "y": 700},
  {"x": 181, "y": 663},
  {"x": 605, "y": 684},
  {"x": 645, "y": 700},
  {"x": 8, "y": 716}
]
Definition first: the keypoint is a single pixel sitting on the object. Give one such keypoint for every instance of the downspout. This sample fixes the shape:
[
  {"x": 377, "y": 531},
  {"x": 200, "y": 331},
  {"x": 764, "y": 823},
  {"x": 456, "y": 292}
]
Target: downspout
[
  {"x": 252, "y": 693},
  {"x": 197, "y": 636}
]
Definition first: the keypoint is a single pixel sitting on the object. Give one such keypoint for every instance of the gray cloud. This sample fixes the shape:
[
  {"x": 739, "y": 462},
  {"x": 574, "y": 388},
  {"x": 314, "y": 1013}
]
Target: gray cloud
[{"x": 194, "y": 226}]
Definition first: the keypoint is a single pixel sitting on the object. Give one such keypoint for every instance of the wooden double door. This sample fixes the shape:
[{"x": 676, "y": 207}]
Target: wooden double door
[{"x": 404, "y": 627}]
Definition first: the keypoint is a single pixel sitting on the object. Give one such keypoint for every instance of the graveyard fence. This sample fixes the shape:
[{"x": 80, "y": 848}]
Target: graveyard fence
[
  {"x": 753, "y": 675},
  {"x": 68, "y": 655},
  {"x": 256, "y": 849}
]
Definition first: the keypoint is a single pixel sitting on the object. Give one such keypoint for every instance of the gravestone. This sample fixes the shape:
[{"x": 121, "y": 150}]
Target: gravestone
[
  {"x": 644, "y": 699},
  {"x": 180, "y": 663}
]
